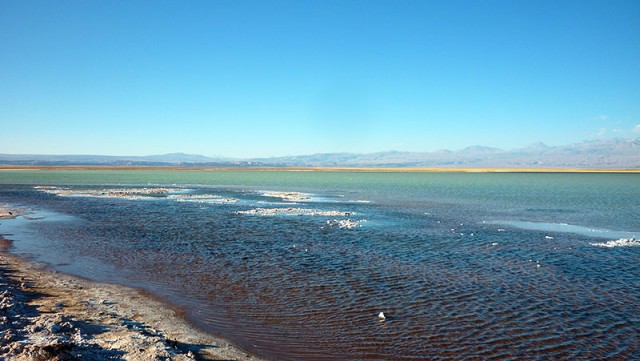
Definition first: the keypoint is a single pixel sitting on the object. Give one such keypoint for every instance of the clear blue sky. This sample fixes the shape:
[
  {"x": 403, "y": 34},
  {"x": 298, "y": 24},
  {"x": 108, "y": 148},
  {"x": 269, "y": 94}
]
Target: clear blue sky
[{"x": 266, "y": 78}]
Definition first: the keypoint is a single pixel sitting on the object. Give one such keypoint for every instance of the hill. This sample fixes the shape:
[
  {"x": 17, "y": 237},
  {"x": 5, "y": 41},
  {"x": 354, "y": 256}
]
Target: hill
[{"x": 601, "y": 154}]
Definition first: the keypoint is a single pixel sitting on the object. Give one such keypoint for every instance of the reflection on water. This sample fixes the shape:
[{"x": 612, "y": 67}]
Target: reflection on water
[
  {"x": 285, "y": 283},
  {"x": 569, "y": 228}
]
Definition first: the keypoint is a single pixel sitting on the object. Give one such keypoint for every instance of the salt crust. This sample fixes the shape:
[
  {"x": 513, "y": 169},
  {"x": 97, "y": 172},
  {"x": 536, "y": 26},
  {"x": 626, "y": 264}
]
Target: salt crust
[
  {"x": 293, "y": 212},
  {"x": 346, "y": 223},
  {"x": 288, "y": 196},
  {"x": 622, "y": 242},
  {"x": 47, "y": 315},
  {"x": 137, "y": 193}
]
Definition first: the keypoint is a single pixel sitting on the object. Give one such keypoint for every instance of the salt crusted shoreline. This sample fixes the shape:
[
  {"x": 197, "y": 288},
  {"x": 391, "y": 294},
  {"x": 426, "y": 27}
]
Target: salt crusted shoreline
[{"x": 48, "y": 315}]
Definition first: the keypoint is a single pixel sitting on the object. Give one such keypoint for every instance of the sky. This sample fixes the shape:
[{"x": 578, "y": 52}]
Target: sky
[{"x": 273, "y": 78}]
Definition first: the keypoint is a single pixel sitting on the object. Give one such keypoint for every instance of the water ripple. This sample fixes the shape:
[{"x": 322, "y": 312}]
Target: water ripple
[{"x": 294, "y": 287}]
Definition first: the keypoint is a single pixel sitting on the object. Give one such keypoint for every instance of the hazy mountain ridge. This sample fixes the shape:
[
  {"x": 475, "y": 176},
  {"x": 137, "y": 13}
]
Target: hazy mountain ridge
[
  {"x": 615, "y": 153},
  {"x": 106, "y": 160},
  {"x": 610, "y": 153}
]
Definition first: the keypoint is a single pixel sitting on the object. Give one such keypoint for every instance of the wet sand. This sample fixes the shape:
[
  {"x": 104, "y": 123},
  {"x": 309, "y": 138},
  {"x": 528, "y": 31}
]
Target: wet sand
[{"x": 48, "y": 315}]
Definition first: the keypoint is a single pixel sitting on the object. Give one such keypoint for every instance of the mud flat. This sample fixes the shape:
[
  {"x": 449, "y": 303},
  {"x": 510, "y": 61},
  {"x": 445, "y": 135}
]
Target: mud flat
[
  {"x": 48, "y": 315},
  {"x": 6, "y": 212}
]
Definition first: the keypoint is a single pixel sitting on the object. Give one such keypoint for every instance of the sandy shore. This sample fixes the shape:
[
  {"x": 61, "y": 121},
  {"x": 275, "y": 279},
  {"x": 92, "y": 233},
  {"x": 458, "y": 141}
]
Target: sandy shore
[{"x": 48, "y": 315}]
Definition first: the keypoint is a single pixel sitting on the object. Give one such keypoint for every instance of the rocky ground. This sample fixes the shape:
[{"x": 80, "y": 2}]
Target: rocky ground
[{"x": 47, "y": 315}]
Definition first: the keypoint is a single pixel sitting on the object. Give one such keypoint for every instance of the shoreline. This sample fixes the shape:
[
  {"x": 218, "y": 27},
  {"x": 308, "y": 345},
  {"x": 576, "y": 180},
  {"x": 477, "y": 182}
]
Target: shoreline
[
  {"x": 50, "y": 315},
  {"x": 330, "y": 169}
]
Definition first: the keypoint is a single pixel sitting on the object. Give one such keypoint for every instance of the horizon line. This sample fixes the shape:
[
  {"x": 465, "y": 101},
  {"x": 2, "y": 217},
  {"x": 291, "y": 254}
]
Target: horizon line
[{"x": 333, "y": 169}]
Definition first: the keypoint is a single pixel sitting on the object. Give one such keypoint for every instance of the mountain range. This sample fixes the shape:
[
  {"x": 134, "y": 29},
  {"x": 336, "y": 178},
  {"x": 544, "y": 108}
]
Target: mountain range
[{"x": 604, "y": 154}]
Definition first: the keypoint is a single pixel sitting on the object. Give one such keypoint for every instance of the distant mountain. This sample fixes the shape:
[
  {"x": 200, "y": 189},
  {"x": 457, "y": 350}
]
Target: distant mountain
[
  {"x": 538, "y": 147},
  {"x": 172, "y": 159},
  {"x": 479, "y": 149},
  {"x": 605, "y": 154},
  {"x": 613, "y": 153},
  {"x": 182, "y": 158}
]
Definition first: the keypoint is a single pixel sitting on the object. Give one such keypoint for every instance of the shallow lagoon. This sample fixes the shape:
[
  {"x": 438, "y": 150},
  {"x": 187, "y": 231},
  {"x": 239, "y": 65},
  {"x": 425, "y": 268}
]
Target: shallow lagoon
[{"x": 463, "y": 265}]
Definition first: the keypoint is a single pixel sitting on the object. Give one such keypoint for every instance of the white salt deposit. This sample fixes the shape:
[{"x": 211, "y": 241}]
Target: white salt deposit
[
  {"x": 202, "y": 198},
  {"x": 128, "y": 193},
  {"x": 288, "y": 196},
  {"x": 294, "y": 212},
  {"x": 345, "y": 223},
  {"x": 622, "y": 242}
]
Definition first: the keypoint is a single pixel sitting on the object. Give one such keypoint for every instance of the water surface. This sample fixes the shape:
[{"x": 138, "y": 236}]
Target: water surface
[{"x": 297, "y": 265}]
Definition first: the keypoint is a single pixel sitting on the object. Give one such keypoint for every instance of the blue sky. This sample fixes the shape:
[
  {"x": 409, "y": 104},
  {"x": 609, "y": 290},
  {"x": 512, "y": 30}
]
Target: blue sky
[{"x": 267, "y": 78}]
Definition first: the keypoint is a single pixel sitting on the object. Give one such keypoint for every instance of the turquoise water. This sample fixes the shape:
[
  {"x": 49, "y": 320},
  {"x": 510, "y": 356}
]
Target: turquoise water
[{"x": 464, "y": 265}]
